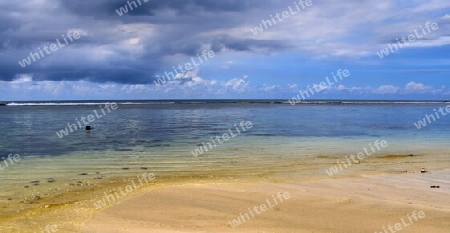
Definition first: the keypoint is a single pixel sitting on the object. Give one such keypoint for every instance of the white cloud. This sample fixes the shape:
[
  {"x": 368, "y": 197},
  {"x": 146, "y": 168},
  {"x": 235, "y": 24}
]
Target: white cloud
[
  {"x": 269, "y": 88},
  {"x": 293, "y": 87},
  {"x": 417, "y": 86},
  {"x": 238, "y": 84},
  {"x": 24, "y": 78},
  {"x": 359, "y": 32},
  {"x": 387, "y": 89},
  {"x": 190, "y": 85},
  {"x": 341, "y": 88}
]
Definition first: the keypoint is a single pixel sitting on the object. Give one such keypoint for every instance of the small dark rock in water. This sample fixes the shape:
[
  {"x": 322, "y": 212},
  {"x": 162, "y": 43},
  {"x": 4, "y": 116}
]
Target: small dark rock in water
[
  {"x": 83, "y": 174},
  {"x": 435, "y": 187},
  {"x": 50, "y": 180},
  {"x": 125, "y": 168},
  {"x": 88, "y": 128},
  {"x": 35, "y": 182},
  {"x": 144, "y": 168},
  {"x": 26, "y": 186}
]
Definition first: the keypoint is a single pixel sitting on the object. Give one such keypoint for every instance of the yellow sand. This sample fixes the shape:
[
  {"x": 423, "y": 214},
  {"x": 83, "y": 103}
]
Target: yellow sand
[
  {"x": 363, "y": 204},
  {"x": 365, "y": 198}
]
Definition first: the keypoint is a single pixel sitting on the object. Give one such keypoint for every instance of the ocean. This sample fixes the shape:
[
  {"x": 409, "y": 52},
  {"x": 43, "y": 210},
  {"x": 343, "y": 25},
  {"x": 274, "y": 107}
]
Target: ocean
[{"x": 29, "y": 128}]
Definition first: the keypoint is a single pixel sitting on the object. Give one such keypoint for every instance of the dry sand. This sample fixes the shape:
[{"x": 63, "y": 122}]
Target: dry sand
[{"x": 361, "y": 204}]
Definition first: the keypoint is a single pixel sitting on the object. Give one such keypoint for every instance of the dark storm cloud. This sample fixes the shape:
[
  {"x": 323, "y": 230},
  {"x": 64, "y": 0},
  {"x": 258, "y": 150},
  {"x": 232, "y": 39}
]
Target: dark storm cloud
[
  {"x": 102, "y": 8},
  {"x": 237, "y": 44},
  {"x": 7, "y": 73},
  {"x": 100, "y": 75},
  {"x": 187, "y": 31},
  {"x": 127, "y": 75}
]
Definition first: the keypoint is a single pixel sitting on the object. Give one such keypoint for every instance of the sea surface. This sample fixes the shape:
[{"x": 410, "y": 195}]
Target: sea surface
[
  {"x": 29, "y": 128},
  {"x": 160, "y": 136}
]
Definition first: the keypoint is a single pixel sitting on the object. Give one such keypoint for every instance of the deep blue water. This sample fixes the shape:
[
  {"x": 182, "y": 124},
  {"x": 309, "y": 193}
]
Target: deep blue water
[{"x": 31, "y": 130}]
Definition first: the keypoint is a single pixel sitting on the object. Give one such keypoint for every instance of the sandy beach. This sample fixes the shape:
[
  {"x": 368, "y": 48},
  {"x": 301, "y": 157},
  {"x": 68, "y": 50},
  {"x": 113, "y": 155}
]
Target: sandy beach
[
  {"x": 360, "y": 199},
  {"x": 240, "y": 194},
  {"x": 365, "y": 204},
  {"x": 381, "y": 191}
]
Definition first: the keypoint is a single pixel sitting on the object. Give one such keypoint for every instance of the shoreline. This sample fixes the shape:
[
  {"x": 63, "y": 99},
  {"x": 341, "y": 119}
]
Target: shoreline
[{"x": 285, "y": 170}]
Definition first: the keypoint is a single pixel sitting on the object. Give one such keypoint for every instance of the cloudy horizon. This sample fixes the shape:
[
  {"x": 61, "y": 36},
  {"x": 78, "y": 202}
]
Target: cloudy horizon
[{"x": 121, "y": 56}]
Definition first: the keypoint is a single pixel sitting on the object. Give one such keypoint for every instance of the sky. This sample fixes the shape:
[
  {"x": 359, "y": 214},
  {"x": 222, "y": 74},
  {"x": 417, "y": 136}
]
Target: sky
[{"x": 94, "y": 50}]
